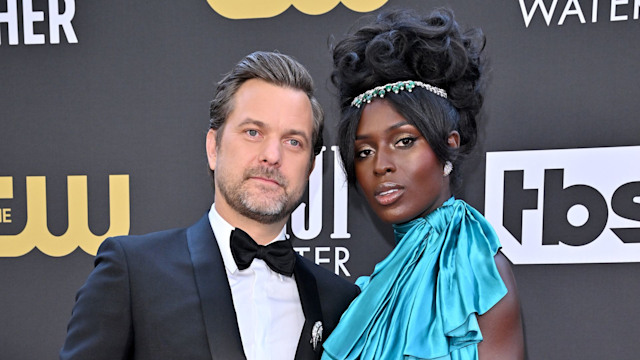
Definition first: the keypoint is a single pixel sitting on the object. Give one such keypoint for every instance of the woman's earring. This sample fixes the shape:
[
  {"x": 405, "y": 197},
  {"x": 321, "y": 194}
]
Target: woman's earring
[{"x": 448, "y": 167}]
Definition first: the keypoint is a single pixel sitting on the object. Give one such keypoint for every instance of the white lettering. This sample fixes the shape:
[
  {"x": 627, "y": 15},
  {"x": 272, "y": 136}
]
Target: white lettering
[
  {"x": 320, "y": 260},
  {"x": 548, "y": 14},
  {"x": 576, "y": 11},
  {"x": 614, "y": 5},
  {"x": 340, "y": 257},
  {"x": 340, "y": 261},
  {"x": 58, "y": 20},
  {"x": 340, "y": 198},
  {"x": 30, "y": 16},
  {"x": 620, "y": 10},
  {"x": 315, "y": 206},
  {"x": 11, "y": 19}
]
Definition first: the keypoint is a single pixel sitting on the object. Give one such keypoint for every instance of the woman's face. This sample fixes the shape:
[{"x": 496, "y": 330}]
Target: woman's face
[{"x": 399, "y": 173}]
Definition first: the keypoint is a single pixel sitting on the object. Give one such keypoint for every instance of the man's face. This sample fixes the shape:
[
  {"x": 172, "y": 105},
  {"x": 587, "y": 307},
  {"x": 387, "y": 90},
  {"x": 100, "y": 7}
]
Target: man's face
[{"x": 262, "y": 161}]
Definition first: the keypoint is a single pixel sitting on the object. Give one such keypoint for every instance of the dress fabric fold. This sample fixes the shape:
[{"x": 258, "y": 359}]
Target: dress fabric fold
[{"x": 422, "y": 300}]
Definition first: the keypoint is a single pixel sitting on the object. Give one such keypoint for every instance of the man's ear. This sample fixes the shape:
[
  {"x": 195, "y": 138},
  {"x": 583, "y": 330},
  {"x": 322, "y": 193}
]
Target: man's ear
[
  {"x": 212, "y": 151},
  {"x": 453, "y": 140}
]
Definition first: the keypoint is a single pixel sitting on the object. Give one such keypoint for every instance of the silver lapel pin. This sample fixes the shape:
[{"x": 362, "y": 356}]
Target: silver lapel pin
[{"x": 316, "y": 334}]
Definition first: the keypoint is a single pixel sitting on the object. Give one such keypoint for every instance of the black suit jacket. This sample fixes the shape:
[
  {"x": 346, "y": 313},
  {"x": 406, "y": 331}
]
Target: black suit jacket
[{"x": 166, "y": 296}]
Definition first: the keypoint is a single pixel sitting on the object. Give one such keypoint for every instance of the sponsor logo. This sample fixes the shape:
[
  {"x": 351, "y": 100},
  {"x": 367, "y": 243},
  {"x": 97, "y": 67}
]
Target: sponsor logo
[
  {"x": 619, "y": 10},
  {"x": 565, "y": 206},
  {"x": 58, "y": 18},
  {"x": 306, "y": 220},
  {"x": 36, "y": 233},
  {"x": 255, "y": 9}
]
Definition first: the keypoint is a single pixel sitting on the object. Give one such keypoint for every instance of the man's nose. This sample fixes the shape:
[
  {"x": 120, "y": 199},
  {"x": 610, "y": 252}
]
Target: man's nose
[{"x": 271, "y": 152}]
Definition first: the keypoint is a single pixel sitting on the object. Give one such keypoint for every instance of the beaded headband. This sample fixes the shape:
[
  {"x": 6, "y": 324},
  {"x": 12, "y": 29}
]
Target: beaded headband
[{"x": 396, "y": 87}]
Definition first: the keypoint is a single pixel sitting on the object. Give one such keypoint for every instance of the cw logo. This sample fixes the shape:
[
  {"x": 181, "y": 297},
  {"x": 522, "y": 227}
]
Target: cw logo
[
  {"x": 255, "y": 9},
  {"x": 36, "y": 234}
]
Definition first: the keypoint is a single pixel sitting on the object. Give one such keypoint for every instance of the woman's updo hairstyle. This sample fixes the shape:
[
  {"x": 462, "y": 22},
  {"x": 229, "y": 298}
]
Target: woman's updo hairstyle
[{"x": 401, "y": 45}]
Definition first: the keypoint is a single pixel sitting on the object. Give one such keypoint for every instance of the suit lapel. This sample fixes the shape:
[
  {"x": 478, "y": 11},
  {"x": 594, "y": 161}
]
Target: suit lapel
[
  {"x": 215, "y": 295},
  {"x": 310, "y": 300}
]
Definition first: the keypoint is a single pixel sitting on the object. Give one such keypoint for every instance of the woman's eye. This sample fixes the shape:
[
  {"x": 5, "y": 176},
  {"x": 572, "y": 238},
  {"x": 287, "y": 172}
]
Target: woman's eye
[
  {"x": 406, "y": 142},
  {"x": 363, "y": 153}
]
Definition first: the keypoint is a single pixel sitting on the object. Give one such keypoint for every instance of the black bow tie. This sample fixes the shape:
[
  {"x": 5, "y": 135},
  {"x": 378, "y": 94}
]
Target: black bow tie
[{"x": 279, "y": 255}]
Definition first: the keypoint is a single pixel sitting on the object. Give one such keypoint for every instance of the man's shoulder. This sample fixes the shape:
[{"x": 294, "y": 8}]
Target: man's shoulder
[
  {"x": 159, "y": 240},
  {"x": 150, "y": 239}
]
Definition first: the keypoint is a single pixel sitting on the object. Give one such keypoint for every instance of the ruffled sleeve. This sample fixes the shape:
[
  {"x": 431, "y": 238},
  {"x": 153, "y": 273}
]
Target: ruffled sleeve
[{"x": 468, "y": 281}]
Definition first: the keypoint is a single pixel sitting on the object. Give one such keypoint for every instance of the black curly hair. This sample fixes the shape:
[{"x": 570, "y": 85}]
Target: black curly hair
[{"x": 403, "y": 45}]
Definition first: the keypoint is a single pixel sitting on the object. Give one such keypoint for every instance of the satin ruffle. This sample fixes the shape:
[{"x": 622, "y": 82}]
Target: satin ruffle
[{"x": 421, "y": 301}]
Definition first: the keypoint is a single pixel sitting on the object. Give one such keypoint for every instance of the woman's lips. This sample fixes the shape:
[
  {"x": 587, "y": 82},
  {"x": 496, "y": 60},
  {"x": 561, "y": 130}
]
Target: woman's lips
[{"x": 388, "y": 193}]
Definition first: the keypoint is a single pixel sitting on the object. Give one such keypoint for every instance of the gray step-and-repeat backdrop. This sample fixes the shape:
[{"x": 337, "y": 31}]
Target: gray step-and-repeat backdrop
[{"x": 104, "y": 110}]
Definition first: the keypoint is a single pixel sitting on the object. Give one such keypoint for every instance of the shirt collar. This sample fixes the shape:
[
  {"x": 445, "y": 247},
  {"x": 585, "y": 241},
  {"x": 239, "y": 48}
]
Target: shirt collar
[{"x": 222, "y": 232}]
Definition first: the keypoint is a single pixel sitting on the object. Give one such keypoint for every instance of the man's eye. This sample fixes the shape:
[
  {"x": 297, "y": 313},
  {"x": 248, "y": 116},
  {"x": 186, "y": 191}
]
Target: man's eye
[
  {"x": 294, "y": 142},
  {"x": 252, "y": 133}
]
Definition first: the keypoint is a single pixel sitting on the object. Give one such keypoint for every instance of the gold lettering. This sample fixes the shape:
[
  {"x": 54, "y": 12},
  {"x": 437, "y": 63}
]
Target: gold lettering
[
  {"x": 255, "y": 9},
  {"x": 36, "y": 233},
  {"x": 5, "y": 216},
  {"x": 6, "y": 192}
]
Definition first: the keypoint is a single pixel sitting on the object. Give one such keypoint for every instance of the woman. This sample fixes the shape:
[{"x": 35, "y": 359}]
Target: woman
[{"x": 410, "y": 91}]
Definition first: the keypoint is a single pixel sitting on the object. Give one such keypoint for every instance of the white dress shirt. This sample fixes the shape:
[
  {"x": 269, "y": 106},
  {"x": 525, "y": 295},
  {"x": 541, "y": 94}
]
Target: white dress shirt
[{"x": 267, "y": 304}]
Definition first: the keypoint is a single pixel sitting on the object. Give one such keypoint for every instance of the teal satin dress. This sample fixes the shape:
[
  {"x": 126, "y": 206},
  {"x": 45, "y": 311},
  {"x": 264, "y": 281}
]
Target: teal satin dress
[{"x": 422, "y": 300}]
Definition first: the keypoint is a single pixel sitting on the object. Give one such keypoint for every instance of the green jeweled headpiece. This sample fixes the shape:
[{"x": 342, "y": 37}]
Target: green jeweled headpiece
[{"x": 396, "y": 87}]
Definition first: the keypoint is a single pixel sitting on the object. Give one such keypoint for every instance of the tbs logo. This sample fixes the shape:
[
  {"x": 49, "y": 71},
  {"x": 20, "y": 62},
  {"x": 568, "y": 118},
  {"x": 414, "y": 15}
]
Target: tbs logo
[{"x": 566, "y": 206}]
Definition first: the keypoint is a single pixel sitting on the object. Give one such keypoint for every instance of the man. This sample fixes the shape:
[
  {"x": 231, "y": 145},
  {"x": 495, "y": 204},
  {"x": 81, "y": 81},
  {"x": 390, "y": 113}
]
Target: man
[{"x": 199, "y": 293}]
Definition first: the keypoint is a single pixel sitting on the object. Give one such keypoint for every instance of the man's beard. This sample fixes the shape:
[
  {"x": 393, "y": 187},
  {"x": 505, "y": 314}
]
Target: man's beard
[{"x": 256, "y": 203}]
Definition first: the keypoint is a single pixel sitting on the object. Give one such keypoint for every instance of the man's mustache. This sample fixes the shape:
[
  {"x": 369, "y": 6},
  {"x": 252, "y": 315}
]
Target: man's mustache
[{"x": 267, "y": 173}]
